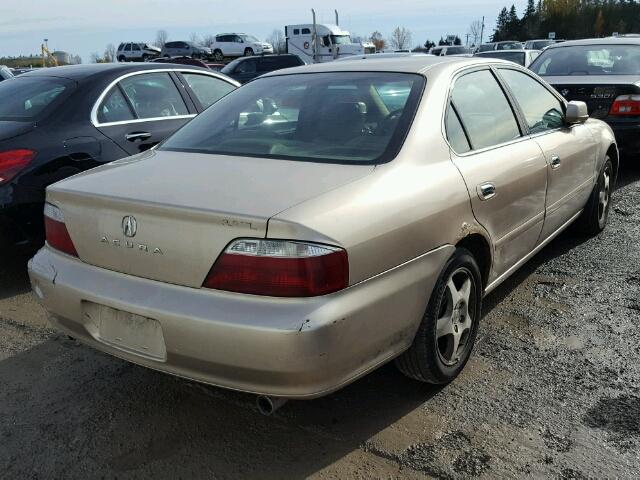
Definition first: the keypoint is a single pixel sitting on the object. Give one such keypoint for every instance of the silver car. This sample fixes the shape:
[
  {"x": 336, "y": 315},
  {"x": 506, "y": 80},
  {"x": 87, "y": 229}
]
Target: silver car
[{"x": 323, "y": 220}]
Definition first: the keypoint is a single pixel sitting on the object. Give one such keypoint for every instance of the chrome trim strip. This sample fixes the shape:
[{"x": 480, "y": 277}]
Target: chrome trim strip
[
  {"x": 493, "y": 285},
  {"x": 140, "y": 120},
  {"x": 94, "y": 110}
]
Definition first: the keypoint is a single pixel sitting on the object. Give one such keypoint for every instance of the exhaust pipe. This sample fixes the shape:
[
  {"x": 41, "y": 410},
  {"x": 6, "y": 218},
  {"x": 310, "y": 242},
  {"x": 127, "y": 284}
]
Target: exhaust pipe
[{"x": 268, "y": 405}]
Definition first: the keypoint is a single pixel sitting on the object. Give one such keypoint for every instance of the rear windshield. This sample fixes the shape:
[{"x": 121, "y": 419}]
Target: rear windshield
[
  {"x": 511, "y": 55},
  {"x": 25, "y": 98},
  {"x": 589, "y": 60},
  {"x": 345, "y": 117},
  {"x": 456, "y": 50}
]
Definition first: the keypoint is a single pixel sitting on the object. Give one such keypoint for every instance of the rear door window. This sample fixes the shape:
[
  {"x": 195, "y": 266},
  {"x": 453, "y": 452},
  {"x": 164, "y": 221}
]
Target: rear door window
[
  {"x": 154, "y": 95},
  {"x": 484, "y": 110},
  {"x": 207, "y": 89}
]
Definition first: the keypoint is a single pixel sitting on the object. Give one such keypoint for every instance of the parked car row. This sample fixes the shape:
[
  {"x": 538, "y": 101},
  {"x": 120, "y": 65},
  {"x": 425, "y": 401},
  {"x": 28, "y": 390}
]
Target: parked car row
[{"x": 225, "y": 45}]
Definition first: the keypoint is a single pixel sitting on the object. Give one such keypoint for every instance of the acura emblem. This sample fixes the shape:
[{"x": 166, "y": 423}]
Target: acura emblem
[{"x": 129, "y": 226}]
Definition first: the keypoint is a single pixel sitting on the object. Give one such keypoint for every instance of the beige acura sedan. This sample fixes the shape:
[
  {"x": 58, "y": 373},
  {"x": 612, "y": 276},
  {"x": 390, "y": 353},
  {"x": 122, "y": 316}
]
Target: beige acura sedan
[{"x": 323, "y": 220}]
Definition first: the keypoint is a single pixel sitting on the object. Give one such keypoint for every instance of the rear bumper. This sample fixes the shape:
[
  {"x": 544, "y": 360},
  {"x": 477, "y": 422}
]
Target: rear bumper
[{"x": 294, "y": 348}]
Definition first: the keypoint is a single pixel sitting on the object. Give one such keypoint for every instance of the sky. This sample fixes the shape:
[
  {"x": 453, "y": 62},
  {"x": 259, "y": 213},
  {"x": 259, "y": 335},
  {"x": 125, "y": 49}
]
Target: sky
[{"x": 85, "y": 26}]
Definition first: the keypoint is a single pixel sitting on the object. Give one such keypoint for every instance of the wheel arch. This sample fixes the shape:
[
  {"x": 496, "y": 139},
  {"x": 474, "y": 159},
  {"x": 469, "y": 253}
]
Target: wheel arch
[
  {"x": 480, "y": 248},
  {"x": 613, "y": 154}
]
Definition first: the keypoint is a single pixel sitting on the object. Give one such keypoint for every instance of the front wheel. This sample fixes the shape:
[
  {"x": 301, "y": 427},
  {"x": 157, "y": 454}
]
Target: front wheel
[
  {"x": 445, "y": 338},
  {"x": 248, "y": 52},
  {"x": 596, "y": 213},
  {"x": 218, "y": 56}
]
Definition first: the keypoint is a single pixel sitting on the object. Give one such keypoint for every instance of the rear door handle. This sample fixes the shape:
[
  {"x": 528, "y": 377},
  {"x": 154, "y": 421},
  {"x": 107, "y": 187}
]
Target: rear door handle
[
  {"x": 486, "y": 191},
  {"x": 137, "y": 136},
  {"x": 555, "y": 161}
]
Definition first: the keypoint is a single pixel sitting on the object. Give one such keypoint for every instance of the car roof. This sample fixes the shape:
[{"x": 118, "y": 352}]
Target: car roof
[
  {"x": 408, "y": 64},
  {"x": 597, "y": 41},
  {"x": 80, "y": 73}
]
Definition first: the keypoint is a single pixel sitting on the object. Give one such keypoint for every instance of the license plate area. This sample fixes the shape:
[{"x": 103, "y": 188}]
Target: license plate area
[{"x": 126, "y": 331}]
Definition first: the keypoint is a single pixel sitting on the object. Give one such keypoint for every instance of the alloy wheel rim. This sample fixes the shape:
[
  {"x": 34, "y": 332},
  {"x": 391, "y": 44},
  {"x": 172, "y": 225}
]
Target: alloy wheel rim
[
  {"x": 604, "y": 195},
  {"x": 455, "y": 318}
]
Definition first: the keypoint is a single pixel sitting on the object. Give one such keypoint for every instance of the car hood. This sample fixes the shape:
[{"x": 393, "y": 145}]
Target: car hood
[
  {"x": 11, "y": 129},
  {"x": 187, "y": 206}
]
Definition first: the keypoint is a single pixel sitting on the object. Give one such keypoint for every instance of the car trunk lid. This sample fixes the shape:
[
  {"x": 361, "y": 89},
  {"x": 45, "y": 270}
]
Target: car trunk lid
[
  {"x": 598, "y": 91},
  {"x": 167, "y": 216}
]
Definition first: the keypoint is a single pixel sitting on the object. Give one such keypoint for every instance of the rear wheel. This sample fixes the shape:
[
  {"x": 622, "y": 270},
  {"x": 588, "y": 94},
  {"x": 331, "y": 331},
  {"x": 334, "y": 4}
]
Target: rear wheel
[
  {"x": 122, "y": 58},
  {"x": 445, "y": 338},
  {"x": 248, "y": 52},
  {"x": 596, "y": 212},
  {"x": 145, "y": 58},
  {"x": 218, "y": 56}
]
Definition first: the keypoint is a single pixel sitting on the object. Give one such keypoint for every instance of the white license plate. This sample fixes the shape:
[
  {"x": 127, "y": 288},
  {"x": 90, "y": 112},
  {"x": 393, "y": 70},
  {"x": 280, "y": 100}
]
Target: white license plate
[{"x": 127, "y": 331}]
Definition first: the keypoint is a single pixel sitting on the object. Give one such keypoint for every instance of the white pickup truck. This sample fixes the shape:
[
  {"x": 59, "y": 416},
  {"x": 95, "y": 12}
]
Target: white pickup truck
[{"x": 238, "y": 45}]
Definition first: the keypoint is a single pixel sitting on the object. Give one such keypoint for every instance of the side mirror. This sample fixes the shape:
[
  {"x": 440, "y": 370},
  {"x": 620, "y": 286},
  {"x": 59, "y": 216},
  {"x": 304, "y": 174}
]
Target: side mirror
[{"x": 576, "y": 112}]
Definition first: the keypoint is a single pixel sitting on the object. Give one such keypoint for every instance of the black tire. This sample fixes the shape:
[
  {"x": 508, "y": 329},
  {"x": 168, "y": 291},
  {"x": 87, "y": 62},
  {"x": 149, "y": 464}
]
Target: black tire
[
  {"x": 431, "y": 358},
  {"x": 218, "y": 56},
  {"x": 145, "y": 57},
  {"x": 248, "y": 52},
  {"x": 122, "y": 58},
  {"x": 596, "y": 212}
]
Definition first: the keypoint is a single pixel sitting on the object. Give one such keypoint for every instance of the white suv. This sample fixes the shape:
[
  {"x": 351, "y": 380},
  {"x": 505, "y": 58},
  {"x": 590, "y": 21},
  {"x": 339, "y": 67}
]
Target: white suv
[
  {"x": 136, "y": 52},
  {"x": 238, "y": 45}
]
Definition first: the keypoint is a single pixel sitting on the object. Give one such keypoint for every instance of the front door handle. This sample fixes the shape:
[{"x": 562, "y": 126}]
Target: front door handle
[
  {"x": 137, "y": 136},
  {"x": 555, "y": 161},
  {"x": 486, "y": 191}
]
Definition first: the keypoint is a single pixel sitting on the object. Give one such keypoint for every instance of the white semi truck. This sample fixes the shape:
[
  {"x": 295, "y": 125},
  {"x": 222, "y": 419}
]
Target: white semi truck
[{"x": 319, "y": 42}]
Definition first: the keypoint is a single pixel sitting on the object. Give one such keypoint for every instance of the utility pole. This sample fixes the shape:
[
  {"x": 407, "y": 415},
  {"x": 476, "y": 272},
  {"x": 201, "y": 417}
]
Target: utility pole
[
  {"x": 482, "y": 30},
  {"x": 467, "y": 44}
]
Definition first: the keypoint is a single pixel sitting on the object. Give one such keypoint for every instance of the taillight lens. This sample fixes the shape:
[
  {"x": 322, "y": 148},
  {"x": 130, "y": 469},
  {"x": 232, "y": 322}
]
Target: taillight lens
[
  {"x": 57, "y": 234},
  {"x": 279, "y": 269},
  {"x": 12, "y": 161},
  {"x": 626, "y": 105}
]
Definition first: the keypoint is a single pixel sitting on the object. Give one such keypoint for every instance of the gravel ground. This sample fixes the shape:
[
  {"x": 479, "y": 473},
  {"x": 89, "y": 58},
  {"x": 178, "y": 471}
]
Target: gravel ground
[{"x": 552, "y": 391}]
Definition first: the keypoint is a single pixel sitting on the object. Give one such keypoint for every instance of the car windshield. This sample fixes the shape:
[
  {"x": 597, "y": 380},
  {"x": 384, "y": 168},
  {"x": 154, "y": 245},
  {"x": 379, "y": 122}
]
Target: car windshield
[
  {"x": 589, "y": 60},
  {"x": 230, "y": 67},
  {"x": 340, "y": 39},
  {"x": 487, "y": 47},
  {"x": 456, "y": 50},
  {"x": 23, "y": 99},
  {"x": 249, "y": 38},
  {"x": 509, "y": 46},
  {"x": 351, "y": 117},
  {"x": 511, "y": 55}
]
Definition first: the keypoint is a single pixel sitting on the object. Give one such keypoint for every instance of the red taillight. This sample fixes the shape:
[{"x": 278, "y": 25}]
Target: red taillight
[
  {"x": 57, "y": 234},
  {"x": 279, "y": 269},
  {"x": 12, "y": 161},
  {"x": 626, "y": 105}
]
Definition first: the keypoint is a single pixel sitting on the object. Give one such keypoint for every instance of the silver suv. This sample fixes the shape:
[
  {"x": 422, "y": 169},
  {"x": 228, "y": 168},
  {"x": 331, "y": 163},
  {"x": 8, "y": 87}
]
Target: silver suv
[
  {"x": 136, "y": 52},
  {"x": 185, "y": 49}
]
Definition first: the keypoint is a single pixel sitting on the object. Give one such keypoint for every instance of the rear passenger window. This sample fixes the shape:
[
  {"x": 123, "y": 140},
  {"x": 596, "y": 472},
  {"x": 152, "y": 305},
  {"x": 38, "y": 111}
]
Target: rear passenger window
[
  {"x": 208, "y": 89},
  {"x": 484, "y": 110},
  {"x": 306, "y": 31},
  {"x": 154, "y": 95},
  {"x": 542, "y": 110},
  {"x": 114, "y": 108},
  {"x": 455, "y": 133}
]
